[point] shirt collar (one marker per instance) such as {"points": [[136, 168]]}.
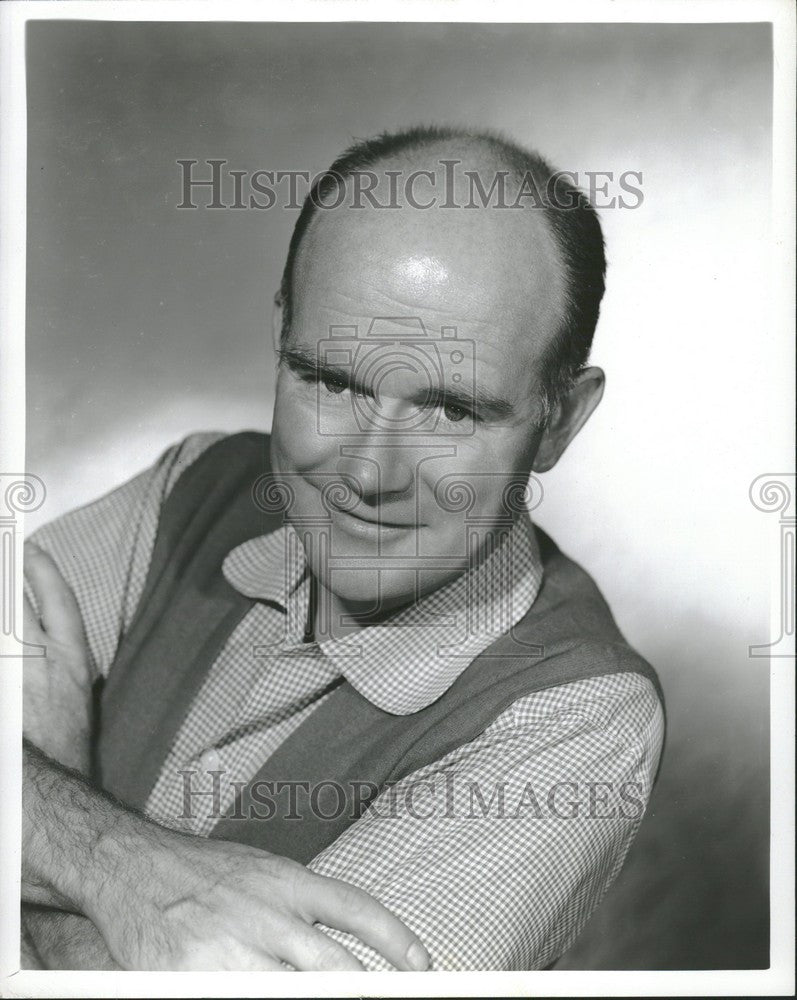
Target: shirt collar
{"points": [[409, 661]]}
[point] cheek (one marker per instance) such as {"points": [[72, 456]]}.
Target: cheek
{"points": [[472, 483], [503, 453], [295, 441]]}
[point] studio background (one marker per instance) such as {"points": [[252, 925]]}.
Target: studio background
{"points": [[146, 323]]}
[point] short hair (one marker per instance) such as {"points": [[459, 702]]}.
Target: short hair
{"points": [[572, 221]]}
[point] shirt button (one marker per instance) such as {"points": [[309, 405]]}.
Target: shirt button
{"points": [[210, 760]]}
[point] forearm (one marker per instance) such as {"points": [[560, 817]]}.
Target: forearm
{"points": [[484, 855], [59, 940], [66, 828]]}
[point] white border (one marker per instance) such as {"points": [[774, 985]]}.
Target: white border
{"points": [[779, 979]]}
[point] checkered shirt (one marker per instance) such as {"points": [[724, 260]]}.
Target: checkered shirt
{"points": [[496, 854]]}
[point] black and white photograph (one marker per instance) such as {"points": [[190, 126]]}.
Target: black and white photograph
{"points": [[398, 499]]}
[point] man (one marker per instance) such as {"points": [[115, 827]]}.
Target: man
{"points": [[343, 657]]}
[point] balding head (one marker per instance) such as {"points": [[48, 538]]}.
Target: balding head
{"points": [[427, 210]]}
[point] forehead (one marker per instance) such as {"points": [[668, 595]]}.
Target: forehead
{"points": [[492, 276]]}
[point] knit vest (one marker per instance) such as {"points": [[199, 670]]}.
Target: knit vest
{"points": [[321, 778]]}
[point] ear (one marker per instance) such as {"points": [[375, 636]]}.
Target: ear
{"points": [[276, 321], [568, 417]]}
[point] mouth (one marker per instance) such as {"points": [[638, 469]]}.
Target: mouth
{"points": [[371, 527]]}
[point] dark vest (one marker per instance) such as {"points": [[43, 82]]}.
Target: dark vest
{"points": [[322, 777]]}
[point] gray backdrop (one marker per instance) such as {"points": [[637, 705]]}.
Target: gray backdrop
{"points": [[146, 323]]}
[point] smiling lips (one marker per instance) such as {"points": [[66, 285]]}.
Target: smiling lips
{"points": [[362, 524], [357, 522], [380, 522]]}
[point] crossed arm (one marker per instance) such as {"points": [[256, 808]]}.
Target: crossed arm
{"points": [[473, 852], [107, 889]]}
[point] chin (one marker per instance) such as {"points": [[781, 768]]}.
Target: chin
{"points": [[372, 591]]}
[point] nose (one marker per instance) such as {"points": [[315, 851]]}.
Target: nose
{"points": [[376, 473]]}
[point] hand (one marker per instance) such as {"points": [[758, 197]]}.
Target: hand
{"points": [[211, 905], [57, 696], [52, 939]]}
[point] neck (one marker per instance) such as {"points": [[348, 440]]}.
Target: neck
{"points": [[333, 617]]}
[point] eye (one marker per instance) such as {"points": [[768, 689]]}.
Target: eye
{"points": [[335, 384], [454, 413]]}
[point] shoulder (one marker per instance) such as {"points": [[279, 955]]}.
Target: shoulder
{"points": [[613, 717], [212, 448], [568, 586], [623, 704], [573, 625]]}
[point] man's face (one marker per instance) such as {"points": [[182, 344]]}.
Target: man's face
{"points": [[408, 395]]}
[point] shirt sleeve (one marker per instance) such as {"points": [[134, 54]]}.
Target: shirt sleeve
{"points": [[497, 854], [103, 549]]}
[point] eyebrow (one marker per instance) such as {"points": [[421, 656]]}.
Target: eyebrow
{"points": [[472, 398]]}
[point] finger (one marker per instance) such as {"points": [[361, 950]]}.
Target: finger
{"points": [[258, 963], [310, 950], [348, 908], [233, 959], [240, 957], [60, 613]]}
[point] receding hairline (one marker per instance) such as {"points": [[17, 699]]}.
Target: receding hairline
{"points": [[484, 155], [576, 230]]}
